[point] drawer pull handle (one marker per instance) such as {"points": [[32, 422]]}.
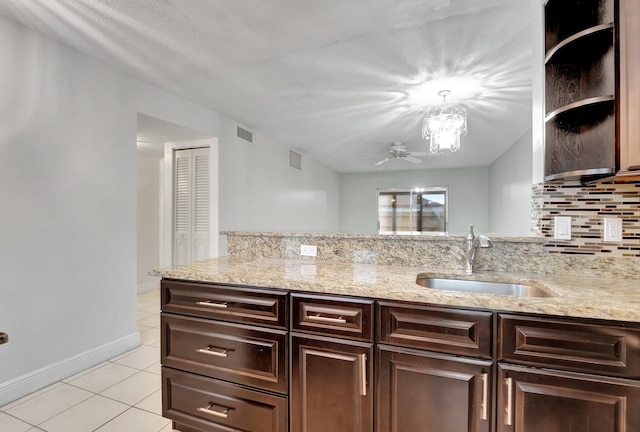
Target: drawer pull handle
{"points": [[509, 409], [321, 318], [222, 413], [363, 374], [212, 304], [485, 395], [213, 351]]}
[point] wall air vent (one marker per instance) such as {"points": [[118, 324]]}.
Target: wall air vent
{"points": [[244, 134], [295, 160]]}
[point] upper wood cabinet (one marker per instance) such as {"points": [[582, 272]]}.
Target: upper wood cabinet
{"points": [[592, 89], [629, 87], [580, 88]]}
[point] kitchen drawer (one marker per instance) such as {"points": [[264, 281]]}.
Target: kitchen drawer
{"points": [[211, 405], [582, 345], [236, 304], [334, 316], [233, 352], [451, 331]]}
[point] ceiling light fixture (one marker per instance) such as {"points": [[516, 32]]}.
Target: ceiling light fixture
{"points": [[443, 126]]}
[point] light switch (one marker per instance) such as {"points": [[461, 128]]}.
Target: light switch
{"points": [[309, 250], [562, 228], [612, 230]]}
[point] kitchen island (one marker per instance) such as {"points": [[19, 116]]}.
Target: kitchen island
{"points": [[270, 344]]}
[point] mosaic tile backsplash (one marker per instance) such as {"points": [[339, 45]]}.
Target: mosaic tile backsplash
{"points": [[587, 205]]}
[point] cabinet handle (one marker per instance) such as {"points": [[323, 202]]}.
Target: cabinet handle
{"points": [[208, 410], [485, 395], [509, 409], [321, 318], [217, 352], [212, 304], [363, 374]]}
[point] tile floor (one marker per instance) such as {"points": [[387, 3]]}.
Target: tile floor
{"points": [[122, 394]]}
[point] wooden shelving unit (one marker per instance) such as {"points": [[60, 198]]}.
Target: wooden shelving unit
{"points": [[580, 89]]}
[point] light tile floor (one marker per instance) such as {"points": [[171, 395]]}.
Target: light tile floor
{"points": [[122, 394]]}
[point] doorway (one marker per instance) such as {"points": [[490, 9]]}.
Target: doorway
{"points": [[157, 140]]}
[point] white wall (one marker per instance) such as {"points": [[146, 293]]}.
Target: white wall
{"points": [[260, 192], [537, 120], [148, 218], [68, 194], [468, 196], [510, 190]]}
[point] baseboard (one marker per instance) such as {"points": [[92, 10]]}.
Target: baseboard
{"points": [[33, 381], [149, 286]]}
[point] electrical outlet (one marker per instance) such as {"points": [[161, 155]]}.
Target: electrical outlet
{"points": [[612, 230], [309, 250], [562, 228]]}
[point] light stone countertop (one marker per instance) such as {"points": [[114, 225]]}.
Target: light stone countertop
{"points": [[587, 297]]}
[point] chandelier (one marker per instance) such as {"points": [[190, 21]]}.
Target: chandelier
{"points": [[444, 125]]}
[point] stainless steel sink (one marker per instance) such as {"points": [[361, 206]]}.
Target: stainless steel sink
{"points": [[484, 287]]}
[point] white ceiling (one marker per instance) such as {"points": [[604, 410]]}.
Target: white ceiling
{"points": [[332, 79]]}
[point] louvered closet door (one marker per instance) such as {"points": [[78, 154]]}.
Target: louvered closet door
{"points": [[191, 195]]}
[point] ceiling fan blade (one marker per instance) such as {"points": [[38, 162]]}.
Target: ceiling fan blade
{"points": [[373, 156], [412, 159], [381, 162], [418, 153]]}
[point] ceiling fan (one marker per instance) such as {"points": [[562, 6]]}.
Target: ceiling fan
{"points": [[399, 151]]}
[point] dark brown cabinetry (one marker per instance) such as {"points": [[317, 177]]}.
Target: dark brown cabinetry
{"points": [[221, 371], [331, 364], [629, 87], [544, 400], [549, 397], [331, 385], [434, 390], [421, 391], [197, 403], [259, 360], [453, 331], [580, 88], [592, 89]]}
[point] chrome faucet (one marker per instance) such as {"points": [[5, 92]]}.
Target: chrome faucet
{"points": [[473, 243]]}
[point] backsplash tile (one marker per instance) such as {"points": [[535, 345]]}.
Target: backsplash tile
{"points": [[587, 205]]}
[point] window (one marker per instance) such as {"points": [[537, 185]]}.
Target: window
{"points": [[412, 211]]}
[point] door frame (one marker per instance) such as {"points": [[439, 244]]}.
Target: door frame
{"points": [[166, 197]]}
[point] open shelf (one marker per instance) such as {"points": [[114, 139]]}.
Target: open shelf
{"points": [[583, 141], [580, 88], [565, 18], [586, 41], [583, 105]]}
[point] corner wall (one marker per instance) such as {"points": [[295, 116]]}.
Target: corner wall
{"points": [[510, 190], [148, 218], [68, 225]]}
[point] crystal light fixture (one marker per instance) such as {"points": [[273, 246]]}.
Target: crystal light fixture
{"points": [[443, 126]]}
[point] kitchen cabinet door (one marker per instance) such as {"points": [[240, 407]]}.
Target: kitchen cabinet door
{"points": [[629, 126], [544, 400], [424, 391], [331, 389]]}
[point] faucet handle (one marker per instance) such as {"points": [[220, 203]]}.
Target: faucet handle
{"points": [[471, 235]]}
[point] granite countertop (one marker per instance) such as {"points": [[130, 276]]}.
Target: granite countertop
{"points": [[587, 297]]}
